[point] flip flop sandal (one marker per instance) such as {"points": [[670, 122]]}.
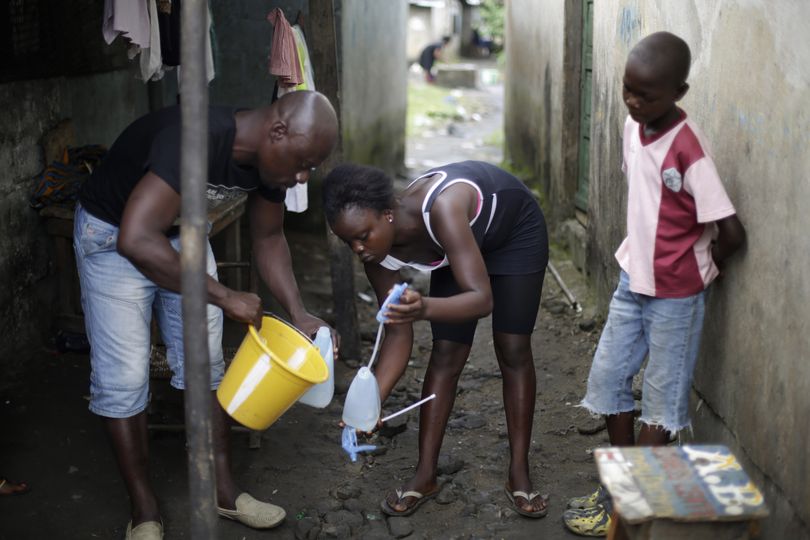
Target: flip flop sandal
{"points": [[420, 499], [512, 495], [14, 488]]}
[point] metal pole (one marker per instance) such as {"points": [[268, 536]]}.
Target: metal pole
{"points": [[194, 177], [566, 291]]}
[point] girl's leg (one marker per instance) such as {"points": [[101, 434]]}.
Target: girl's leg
{"points": [[515, 359], [447, 360], [517, 300]]}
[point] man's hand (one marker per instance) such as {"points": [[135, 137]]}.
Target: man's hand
{"points": [[309, 325], [244, 307]]}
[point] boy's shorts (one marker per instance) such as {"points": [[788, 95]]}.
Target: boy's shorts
{"points": [[669, 330], [118, 301]]}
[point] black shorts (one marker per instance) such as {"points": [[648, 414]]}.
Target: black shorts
{"points": [[516, 300]]}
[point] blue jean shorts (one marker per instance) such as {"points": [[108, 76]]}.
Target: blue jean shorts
{"points": [[668, 330], [118, 302]]}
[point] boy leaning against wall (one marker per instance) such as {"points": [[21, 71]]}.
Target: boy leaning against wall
{"points": [[681, 226]]}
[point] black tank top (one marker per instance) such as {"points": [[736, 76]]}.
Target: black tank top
{"points": [[510, 228]]}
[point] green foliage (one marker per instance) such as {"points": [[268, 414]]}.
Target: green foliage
{"points": [[492, 20]]}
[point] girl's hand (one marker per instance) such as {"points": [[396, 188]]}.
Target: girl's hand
{"points": [[411, 307]]}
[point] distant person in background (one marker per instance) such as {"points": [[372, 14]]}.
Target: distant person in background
{"points": [[429, 55], [482, 45]]}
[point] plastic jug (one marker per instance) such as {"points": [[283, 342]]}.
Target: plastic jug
{"points": [[392, 298], [320, 395], [361, 410]]}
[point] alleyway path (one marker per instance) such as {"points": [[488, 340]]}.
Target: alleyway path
{"points": [[52, 441]]}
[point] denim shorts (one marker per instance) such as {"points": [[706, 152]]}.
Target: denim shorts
{"points": [[667, 330], [118, 302]]}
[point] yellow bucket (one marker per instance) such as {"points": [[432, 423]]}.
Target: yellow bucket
{"points": [[271, 370]]}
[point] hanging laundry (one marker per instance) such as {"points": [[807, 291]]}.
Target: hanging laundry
{"points": [[296, 199], [136, 20], [169, 23], [127, 17], [151, 60], [283, 61], [210, 71]]}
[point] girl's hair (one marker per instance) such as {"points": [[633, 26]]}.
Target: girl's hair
{"points": [[349, 185]]}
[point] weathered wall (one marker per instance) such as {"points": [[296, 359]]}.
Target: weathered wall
{"points": [[541, 99], [750, 87], [373, 81], [100, 106], [243, 43]]}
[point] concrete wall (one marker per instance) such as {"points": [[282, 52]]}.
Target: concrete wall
{"points": [[374, 81], [541, 100], [750, 86], [243, 43], [100, 106], [749, 91]]}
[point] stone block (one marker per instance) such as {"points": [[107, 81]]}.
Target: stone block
{"points": [[457, 76], [574, 237]]}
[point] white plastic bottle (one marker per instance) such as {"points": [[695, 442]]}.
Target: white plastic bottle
{"points": [[361, 410]]}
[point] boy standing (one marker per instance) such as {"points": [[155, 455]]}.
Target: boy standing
{"points": [[681, 226]]}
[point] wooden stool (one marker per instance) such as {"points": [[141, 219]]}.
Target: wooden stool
{"points": [[669, 493]]}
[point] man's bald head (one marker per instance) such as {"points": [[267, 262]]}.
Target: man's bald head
{"points": [[300, 131], [665, 54], [310, 114]]}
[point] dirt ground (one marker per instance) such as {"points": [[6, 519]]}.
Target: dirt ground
{"points": [[51, 440]]}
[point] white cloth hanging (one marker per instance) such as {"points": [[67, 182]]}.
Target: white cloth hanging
{"points": [[297, 199], [151, 59], [127, 17], [210, 72]]}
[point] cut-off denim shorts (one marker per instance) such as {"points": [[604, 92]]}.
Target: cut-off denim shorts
{"points": [[668, 330], [118, 301]]}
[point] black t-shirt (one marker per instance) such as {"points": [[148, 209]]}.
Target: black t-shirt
{"points": [[428, 55], [152, 143]]}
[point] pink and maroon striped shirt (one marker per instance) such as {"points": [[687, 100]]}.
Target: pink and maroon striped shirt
{"points": [[674, 195]]}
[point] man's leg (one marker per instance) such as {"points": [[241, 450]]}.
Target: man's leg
{"points": [[117, 302], [227, 490], [128, 437]]}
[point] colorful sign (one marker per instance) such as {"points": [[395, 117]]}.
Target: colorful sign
{"points": [[686, 483]]}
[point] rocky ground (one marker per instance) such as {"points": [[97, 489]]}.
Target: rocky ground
{"points": [[52, 441]]}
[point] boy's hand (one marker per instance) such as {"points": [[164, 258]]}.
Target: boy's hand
{"points": [[730, 236]]}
